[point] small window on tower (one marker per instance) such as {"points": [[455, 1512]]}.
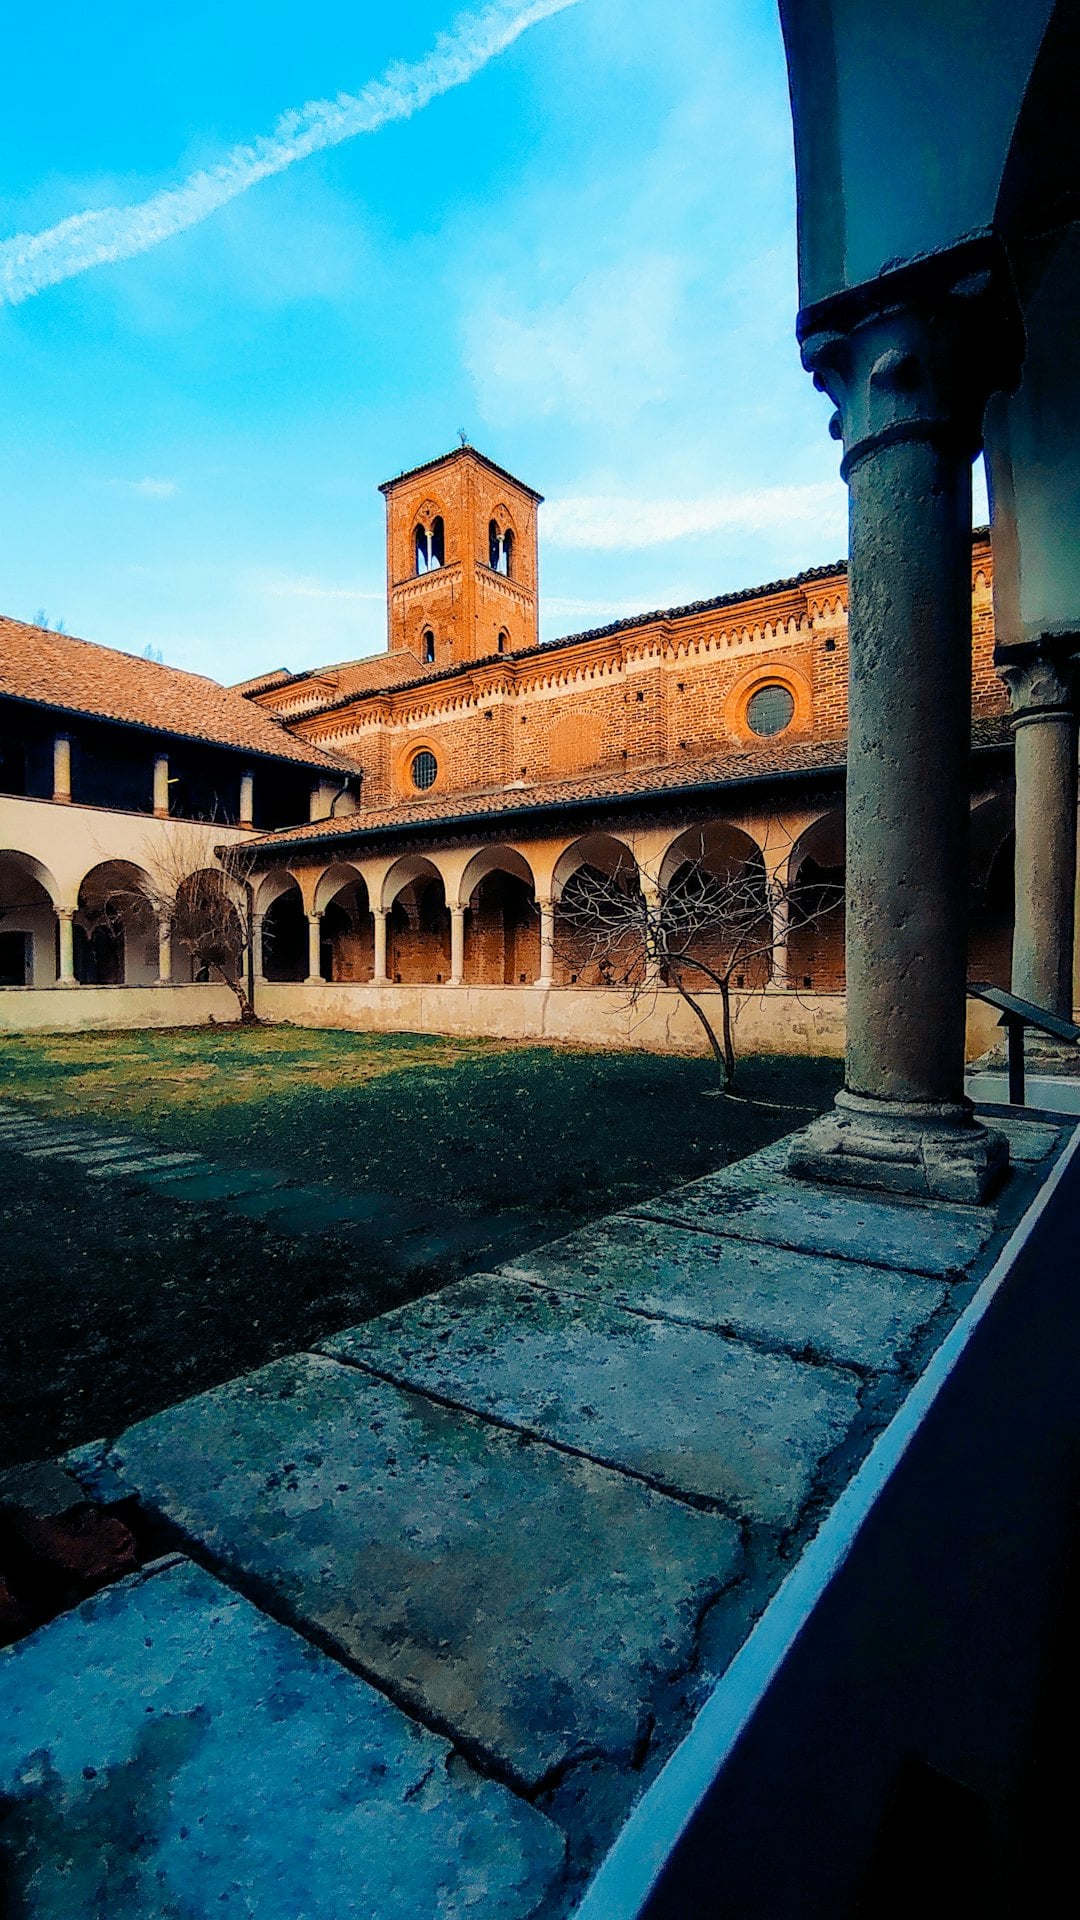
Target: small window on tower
{"points": [[429, 647], [507, 553], [504, 639], [430, 545], [420, 543]]}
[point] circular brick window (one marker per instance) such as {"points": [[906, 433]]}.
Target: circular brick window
{"points": [[424, 770], [769, 711]]}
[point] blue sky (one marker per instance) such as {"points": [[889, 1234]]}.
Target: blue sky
{"points": [[582, 255]]}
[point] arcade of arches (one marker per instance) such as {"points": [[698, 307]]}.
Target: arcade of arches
{"points": [[498, 915]]}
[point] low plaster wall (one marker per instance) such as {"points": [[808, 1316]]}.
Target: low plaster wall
{"points": [[597, 1017], [772, 1022], [80, 1009]]}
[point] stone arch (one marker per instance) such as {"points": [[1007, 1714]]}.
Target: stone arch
{"points": [[502, 921], [992, 898], [280, 901], [604, 851], [272, 886], [347, 944], [598, 856], [815, 942], [704, 862], [209, 938], [418, 924], [29, 897], [116, 934]]}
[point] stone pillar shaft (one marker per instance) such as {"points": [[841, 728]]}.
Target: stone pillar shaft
{"points": [[378, 972], [1040, 677], [247, 799], [546, 977], [457, 946], [161, 787], [66, 922], [62, 769], [257, 946], [910, 363], [778, 972], [314, 973], [164, 953]]}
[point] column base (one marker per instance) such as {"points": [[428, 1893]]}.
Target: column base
{"points": [[931, 1150]]}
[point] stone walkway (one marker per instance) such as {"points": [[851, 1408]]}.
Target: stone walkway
{"points": [[421, 1235], [526, 1520]]}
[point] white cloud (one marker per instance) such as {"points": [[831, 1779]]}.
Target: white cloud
{"points": [[30, 262], [605, 350], [153, 489], [613, 523]]}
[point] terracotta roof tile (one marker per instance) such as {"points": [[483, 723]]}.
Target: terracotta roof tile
{"points": [[769, 760], [79, 677]]}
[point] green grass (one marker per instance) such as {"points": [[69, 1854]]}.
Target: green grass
{"points": [[119, 1302], [475, 1123]]}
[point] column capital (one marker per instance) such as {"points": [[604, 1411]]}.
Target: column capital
{"points": [[917, 353], [1041, 677]]}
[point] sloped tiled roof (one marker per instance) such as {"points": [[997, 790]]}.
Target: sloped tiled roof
{"points": [[455, 453], [770, 760], [79, 677]]}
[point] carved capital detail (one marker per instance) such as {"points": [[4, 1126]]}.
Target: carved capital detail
{"points": [[917, 355], [1041, 677]]}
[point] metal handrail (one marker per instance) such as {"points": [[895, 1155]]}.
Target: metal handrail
{"points": [[1016, 1014]]}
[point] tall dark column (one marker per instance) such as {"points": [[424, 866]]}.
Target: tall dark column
{"points": [[1041, 679], [910, 364]]}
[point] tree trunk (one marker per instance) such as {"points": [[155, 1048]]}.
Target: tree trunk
{"points": [[723, 1055]]}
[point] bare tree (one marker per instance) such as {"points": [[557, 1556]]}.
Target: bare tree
{"points": [[705, 928], [206, 906]]}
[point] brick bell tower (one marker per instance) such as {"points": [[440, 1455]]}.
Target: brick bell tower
{"points": [[461, 561]]}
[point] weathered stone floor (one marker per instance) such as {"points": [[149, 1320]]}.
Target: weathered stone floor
{"points": [[539, 1510]]}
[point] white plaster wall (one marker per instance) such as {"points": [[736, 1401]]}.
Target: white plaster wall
{"points": [[69, 840], [770, 1022], [75, 1009]]}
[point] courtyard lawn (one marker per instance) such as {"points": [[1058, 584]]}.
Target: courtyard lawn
{"points": [[117, 1303]]}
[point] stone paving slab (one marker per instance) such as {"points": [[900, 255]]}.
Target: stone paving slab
{"points": [[689, 1411], [841, 1309], [166, 1750], [205, 1183], [84, 1147], [146, 1163], [528, 1601], [750, 1201], [1029, 1140]]}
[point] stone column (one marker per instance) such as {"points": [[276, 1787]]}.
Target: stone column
{"points": [[62, 769], [378, 972], [164, 951], [65, 918], [650, 893], [546, 976], [314, 947], [778, 972], [161, 787], [457, 946], [910, 364], [247, 799], [1041, 679], [257, 947]]}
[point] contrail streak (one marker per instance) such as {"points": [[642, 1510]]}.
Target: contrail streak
{"points": [[30, 262]]}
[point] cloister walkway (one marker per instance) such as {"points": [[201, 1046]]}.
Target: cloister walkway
{"points": [[485, 1556]]}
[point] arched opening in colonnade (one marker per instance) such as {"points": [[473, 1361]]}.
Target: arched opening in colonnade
{"points": [[347, 933], [584, 872], [418, 924], [28, 927], [284, 928], [815, 942], [990, 922], [713, 881], [116, 932], [502, 920], [209, 939]]}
